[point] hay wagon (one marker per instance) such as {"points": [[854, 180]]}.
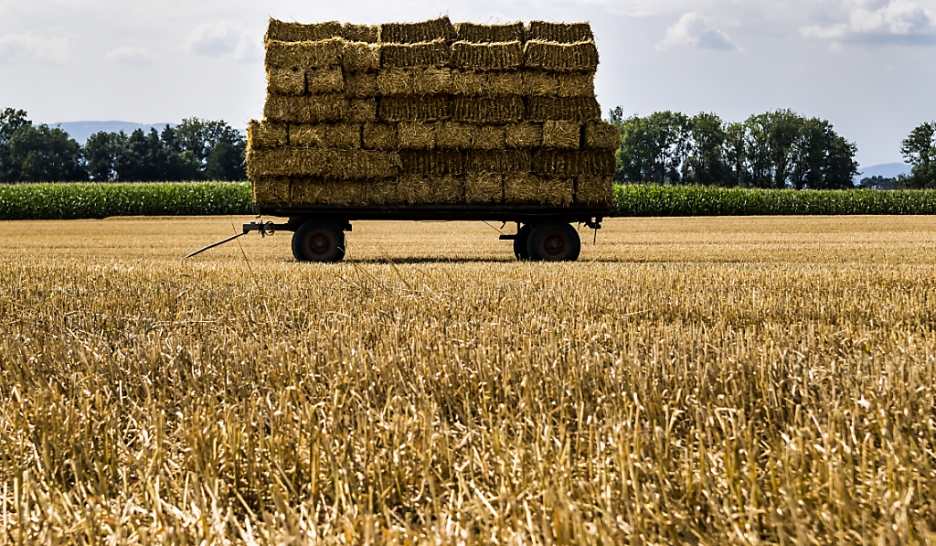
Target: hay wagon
{"points": [[432, 121]]}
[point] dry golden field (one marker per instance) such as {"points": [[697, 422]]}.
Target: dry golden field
{"points": [[704, 381]]}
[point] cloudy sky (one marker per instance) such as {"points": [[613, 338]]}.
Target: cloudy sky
{"points": [[868, 66]]}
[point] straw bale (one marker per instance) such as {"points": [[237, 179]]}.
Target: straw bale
{"points": [[304, 135], [562, 135], [433, 162], [360, 57], [360, 33], [498, 161], [433, 81], [524, 135], [576, 85], [382, 192], [469, 83], [411, 33], [573, 163], [530, 189], [537, 83], [326, 108], [413, 109], [559, 32], [343, 136], [297, 32], [453, 135], [266, 134], [396, 81], [484, 188], [362, 110], [594, 190], [577, 57], [336, 164], [379, 136], [315, 191], [422, 189], [601, 135], [361, 85], [286, 81], [304, 54], [475, 33], [550, 108], [416, 136], [487, 110], [324, 80], [492, 56], [270, 190], [314, 109], [504, 83], [435, 53], [488, 137]]}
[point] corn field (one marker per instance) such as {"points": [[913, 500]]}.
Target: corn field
{"points": [[701, 381]]}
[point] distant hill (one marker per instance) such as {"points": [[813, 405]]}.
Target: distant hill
{"points": [[886, 170], [81, 130]]}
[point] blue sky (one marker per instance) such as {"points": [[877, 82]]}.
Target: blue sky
{"points": [[868, 66]]}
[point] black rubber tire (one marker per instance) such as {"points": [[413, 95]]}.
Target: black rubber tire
{"points": [[318, 241], [554, 242], [520, 243]]}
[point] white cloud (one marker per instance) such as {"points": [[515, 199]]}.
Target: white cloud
{"points": [[695, 30], [131, 55], [224, 40], [30, 46], [880, 21]]}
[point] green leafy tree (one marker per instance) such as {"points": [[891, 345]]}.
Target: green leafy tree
{"points": [[708, 163], [102, 151], [216, 147], [919, 150], [37, 153], [654, 148]]}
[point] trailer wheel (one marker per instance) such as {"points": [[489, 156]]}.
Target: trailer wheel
{"points": [[318, 241], [520, 243], [554, 242]]}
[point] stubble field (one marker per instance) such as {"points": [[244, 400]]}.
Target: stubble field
{"points": [[722, 380]]}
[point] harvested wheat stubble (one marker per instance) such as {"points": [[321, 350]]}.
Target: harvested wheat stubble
{"points": [[576, 85], [421, 189], [577, 57], [487, 110], [318, 109], [524, 135], [338, 136], [562, 135], [297, 32], [362, 110], [360, 33], [286, 81], [561, 163], [488, 137], [498, 161], [361, 85], [530, 189], [580, 109], [594, 190], [271, 190], [484, 188], [423, 54], [266, 134], [453, 135], [381, 192], [479, 34], [411, 33], [482, 57], [559, 32], [360, 57], [316, 191], [601, 135], [432, 162], [320, 81], [414, 109], [380, 136], [335, 164], [416, 136], [538, 83], [304, 54]]}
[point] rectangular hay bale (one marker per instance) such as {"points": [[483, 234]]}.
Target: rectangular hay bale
{"points": [[499, 161], [422, 189], [484, 188], [303, 135], [475, 33], [361, 110], [562, 135], [433, 81], [487, 110], [432, 162], [324, 80], [270, 190], [530, 189], [424, 54], [601, 135], [382, 192], [360, 33], [413, 109], [561, 163], [453, 135], [524, 135], [504, 83], [489, 56], [469, 83], [396, 82], [360, 57], [576, 57], [488, 137], [559, 32], [594, 190], [416, 136], [336, 164], [411, 33], [266, 134], [379, 136], [361, 85], [316, 191], [538, 83], [304, 54], [286, 81], [307, 109], [551, 108], [576, 85], [285, 31]]}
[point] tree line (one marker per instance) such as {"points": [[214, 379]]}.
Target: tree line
{"points": [[195, 149]]}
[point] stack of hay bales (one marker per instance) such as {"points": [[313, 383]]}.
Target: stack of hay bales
{"points": [[431, 113]]}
